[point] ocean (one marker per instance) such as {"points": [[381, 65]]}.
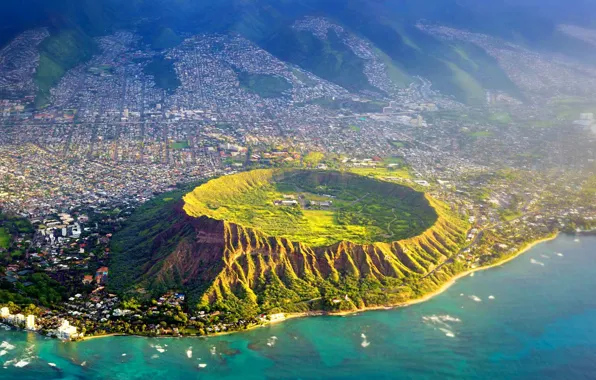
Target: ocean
{"points": [[532, 318]]}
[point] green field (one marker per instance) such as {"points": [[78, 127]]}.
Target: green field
{"points": [[362, 210], [4, 238], [501, 117], [477, 134], [178, 145], [102, 70]]}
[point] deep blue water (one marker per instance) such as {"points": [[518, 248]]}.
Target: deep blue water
{"points": [[540, 324]]}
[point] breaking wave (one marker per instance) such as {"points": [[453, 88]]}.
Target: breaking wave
{"points": [[536, 262]]}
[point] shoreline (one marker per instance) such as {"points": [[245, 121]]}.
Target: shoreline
{"points": [[422, 299], [440, 290], [91, 337]]}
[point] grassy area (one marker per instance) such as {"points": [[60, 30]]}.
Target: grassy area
{"points": [[178, 145], [508, 215], [4, 238], [398, 144], [382, 172], [102, 70], [477, 134], [501, 117], [266, 86], [363, 209]]}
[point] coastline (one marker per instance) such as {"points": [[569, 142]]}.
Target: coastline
{"points": [[435, 293], [422, 299], [100, 336]]}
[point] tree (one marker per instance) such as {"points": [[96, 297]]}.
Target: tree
{"points": [[312, 159]]}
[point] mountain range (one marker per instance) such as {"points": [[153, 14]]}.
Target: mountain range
{"points": [[454, 67]]}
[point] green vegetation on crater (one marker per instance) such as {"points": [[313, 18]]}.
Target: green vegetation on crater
{"points": [[318, 208], [244, 271]]}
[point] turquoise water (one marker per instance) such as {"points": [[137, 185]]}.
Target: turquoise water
{"points": [[541, 323]]}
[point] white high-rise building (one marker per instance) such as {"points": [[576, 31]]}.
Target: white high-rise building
{"points": [[30, 322], [4, 312], [66, 331]]}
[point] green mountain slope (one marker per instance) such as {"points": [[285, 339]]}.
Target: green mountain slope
{"points": [[331, 59], [459, 70], [63, 50]]}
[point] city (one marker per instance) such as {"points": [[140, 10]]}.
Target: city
{"points": [[111, 139]]}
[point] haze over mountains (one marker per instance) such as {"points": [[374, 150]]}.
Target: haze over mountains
{"points": [[455, 67]]}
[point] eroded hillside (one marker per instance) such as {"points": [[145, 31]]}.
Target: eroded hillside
{"points": [[226, 266]]}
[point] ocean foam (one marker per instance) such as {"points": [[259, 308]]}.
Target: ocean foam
{"points": [[441, 319], [448, 318], [365, 343], [271, 341], [7, 345], [448, 333], [536, 262]]}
